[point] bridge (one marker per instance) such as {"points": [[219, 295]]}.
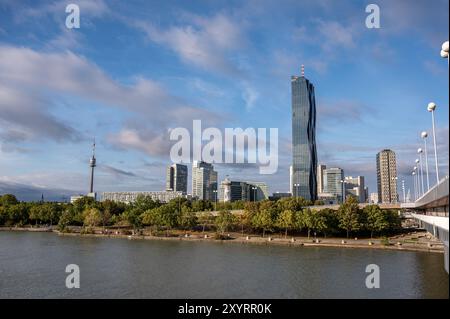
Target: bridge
{"points": [[431, 211]]}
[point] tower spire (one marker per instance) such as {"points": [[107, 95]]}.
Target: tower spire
{"points": [[303, 70], [92, 164]]}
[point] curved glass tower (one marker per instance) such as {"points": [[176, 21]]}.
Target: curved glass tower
{"points": [[304, 164]]}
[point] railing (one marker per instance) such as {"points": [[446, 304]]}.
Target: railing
{"points": [[437, 192]]}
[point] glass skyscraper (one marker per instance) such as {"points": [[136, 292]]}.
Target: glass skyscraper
{"points": [[304, 164]]}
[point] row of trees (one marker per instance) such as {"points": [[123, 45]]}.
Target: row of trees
{"points": [[289, 215]]}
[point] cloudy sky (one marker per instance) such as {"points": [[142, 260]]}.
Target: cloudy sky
{"points": [[136, 69]]}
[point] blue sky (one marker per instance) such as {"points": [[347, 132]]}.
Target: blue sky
{"points": [[135, 69]]}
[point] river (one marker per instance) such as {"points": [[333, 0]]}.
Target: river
{"points": [[32, 265]]}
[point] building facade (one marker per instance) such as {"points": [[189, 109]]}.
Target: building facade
{"points": [[320, 171], [355, 186], [332, 179], [176, 178], [373, 198], [231, 191], [130, 197], [387, 177], [304, 153], [204, 181]]}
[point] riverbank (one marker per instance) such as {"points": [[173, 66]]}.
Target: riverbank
{"points": [[414, 241]]}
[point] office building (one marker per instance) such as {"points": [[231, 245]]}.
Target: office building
{"points": [[231, 191], [320, 171], [387, 177], [176, 178], [332, 180], [304, 153], [204, 181], [355, 186], [373, 198]]}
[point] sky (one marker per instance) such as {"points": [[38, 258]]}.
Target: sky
{"points": [[134, 70]]}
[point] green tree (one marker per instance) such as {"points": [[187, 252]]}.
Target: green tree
{"points": [[8, 199], [92, 217], [188, 219], [204, 218], [331, 221], [375, 219], [65, 220], [286, 221], [223, 221], [133, 217], [263, 220], [349, 215]]}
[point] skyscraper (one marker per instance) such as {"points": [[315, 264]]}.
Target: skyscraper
{"points": [[304, 159], [204, 181], [332, 181], [176, 178], [387, 177]]}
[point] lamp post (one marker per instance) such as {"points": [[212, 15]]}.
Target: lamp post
{"points": [[420, 151], [418, 177], [444, 51], [431, 108], [424, 135], [414, 185]]}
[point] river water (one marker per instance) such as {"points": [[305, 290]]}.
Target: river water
{"points": [[32, 265]]}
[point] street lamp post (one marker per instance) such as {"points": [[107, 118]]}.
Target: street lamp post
{"points": [[420, 151], [418, 177], [424, 135], [414, 185], [431, 108]]}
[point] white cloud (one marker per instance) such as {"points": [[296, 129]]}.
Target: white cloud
{"points": [[25, 76], [208, 43]]}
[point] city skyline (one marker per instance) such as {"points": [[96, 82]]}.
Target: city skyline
{"points": [[145, 78]]}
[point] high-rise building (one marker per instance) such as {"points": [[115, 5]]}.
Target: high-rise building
{"points": [[204, 181], [355, 186], [176, 178], [304, 159], [332, 180], [387, 177], [320, 171], [373, 198]]}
